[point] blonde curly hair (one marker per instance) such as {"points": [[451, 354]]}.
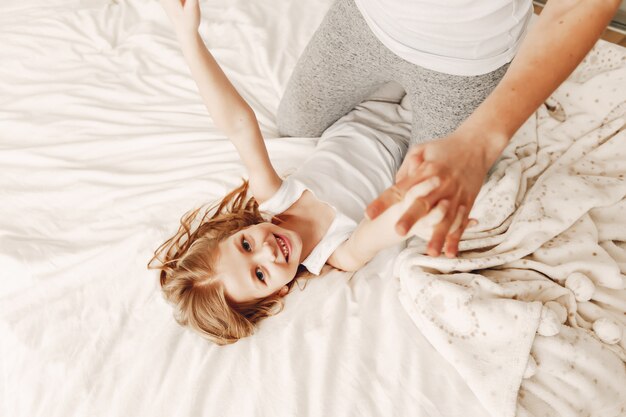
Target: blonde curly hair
{"points": [[187, 265]]}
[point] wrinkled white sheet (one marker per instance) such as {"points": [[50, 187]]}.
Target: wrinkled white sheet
{"points": [[104, 143]]}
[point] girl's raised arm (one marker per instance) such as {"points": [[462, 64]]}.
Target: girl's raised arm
{"points": [[230, 112]]}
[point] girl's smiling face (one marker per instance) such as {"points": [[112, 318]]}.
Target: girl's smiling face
{"points": [[258, 261]]}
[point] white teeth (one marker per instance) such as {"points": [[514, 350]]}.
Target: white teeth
{"points": [[283, 246]]}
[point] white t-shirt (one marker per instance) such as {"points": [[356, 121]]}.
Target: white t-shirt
{"points": [[354, 161], [457, 37], [339, 231]]}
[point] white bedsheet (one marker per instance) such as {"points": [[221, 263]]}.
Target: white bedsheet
{"points": [[104, 143]]}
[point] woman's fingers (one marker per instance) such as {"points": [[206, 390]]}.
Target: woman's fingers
{"points": [[458, 220], [389, 197], [419, 208], [433, 217], [453, 239], [412, 161], [422, 189], [406, 190], [440, 232], [451, 246]]}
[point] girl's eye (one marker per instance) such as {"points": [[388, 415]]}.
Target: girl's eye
{"points": [[260, 275], [245, 245]]}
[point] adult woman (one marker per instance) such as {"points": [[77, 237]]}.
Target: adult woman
{"points": [[452, 58]]}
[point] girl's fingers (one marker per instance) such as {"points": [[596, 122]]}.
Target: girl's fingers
{"points": [[397, 193], [433, 217], [422, 189], [418, 209]]}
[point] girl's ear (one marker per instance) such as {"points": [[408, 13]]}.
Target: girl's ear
{"points": [[283, 291]]}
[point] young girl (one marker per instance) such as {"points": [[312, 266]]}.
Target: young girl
{"points": [[229, 269]]}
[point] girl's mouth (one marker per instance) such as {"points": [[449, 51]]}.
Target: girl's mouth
{"points": [[284, 245]]}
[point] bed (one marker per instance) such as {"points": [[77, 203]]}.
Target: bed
{"points": [[105, 143]]}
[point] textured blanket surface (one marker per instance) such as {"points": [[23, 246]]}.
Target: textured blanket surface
{"points": [[547, 255]]}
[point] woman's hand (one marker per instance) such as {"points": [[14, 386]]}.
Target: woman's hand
{"points": [[462, 159], [184, 15], [461, 163]]}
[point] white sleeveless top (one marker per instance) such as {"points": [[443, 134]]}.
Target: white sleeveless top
{"points": [[457, 37], [354, 161]]}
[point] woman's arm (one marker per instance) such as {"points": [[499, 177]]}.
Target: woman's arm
{"points": [[559, 40], [229, 111], [563, 34]]}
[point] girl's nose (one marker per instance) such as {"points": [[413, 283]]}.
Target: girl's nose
{"points": [[268, 251]]}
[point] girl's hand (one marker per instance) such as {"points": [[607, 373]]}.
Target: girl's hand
{"points": [[184, 15], [461, 165]]}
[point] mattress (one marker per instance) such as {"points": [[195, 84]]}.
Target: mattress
{"points": [[105, 143]]}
